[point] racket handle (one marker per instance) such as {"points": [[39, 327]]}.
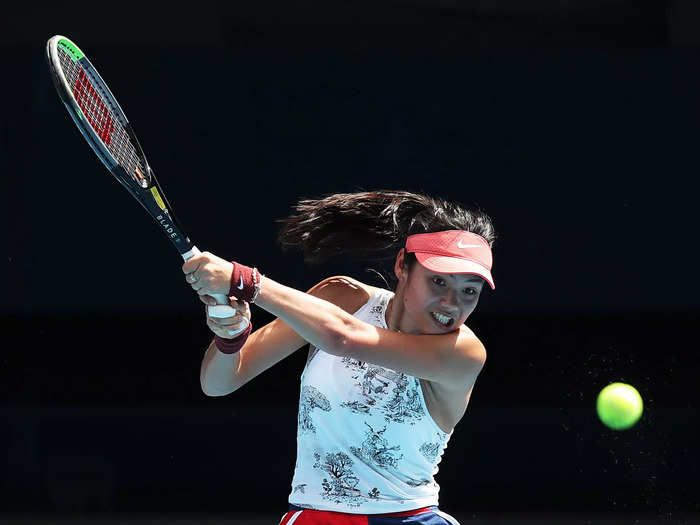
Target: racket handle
{"points": [[224, 308]]}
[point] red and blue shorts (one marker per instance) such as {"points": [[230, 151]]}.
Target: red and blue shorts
{"points": [[424, 516]]}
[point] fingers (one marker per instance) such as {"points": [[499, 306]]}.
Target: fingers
{"points": [[211, 276], [240, 305], [226, 322], [238, 302], [208, 300], [234, 333], [196, 284], [193, 281], [191, 264], [229, 327]]}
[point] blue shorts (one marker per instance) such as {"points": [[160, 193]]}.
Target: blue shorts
{"points": [[424, 516]]}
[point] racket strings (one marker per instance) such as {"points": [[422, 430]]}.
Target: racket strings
{"points": [[98, 111]]}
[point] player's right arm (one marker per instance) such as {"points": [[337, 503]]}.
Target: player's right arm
{"points": [[222, 374]]}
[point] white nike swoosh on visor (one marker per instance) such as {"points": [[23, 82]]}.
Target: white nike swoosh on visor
{"points": [[240, 286], [460, 245]]}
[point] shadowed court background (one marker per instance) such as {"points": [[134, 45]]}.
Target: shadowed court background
{"points": [[573, 124]]}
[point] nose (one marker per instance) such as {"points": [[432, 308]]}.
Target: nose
{"points": [[449, 300]]}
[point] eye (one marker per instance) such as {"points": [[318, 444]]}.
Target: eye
{"points": [[470, 291], [439, 281]]}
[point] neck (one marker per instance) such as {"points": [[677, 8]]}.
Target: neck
{"points": [[393, 315], [389, 312]]}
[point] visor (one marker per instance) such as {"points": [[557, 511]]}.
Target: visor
{"points": [[453, 251]]}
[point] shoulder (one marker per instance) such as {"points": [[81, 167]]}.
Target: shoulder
{"points": [[470, 343], [343, 291], [470, 357], [464, 356], [470, 347], [474, 348]]}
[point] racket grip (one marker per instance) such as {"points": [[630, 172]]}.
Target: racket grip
{"points": [[224, 308]]}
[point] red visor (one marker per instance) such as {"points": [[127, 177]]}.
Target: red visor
{"points": [[453, 251]]}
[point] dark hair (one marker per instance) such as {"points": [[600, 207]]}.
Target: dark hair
{"points": [[373, 225]]}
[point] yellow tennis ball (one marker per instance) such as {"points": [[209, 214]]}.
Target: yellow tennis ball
{"points": [[619, 406]]}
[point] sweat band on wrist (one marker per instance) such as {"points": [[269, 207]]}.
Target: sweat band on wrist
{"points": [[245, 282], [231, 346]]}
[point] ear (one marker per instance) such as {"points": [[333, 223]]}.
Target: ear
{"points": [[400, 269]]}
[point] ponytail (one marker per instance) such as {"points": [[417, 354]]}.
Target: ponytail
{"points": [[374, 225]]}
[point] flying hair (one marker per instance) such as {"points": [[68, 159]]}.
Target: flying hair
{"points": [[373, 226]]}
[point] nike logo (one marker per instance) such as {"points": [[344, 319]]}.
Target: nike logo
{"points": [[240, 286], [460, 245]]}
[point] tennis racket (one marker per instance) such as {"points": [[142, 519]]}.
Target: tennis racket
{"points": [[105, 127]]}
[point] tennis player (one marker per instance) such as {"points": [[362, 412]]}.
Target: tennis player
{"points": [[389, 373]]}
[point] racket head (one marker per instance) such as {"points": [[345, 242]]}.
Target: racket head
{"points": [[103, 124], [96, 112]]}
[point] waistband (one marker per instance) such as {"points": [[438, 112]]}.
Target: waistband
{"points": [[388, 515]]}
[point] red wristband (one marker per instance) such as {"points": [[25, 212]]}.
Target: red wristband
{"points": [[245, 282], [231, 346]]}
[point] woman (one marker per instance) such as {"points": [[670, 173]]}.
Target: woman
{"points": [[389, 374]]}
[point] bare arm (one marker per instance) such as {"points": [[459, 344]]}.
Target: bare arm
{"points": [[221, 374], [316, 319], [452, 360], [215, 374]]}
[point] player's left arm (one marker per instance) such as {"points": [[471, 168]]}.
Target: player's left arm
{"points": [[452, 360]]}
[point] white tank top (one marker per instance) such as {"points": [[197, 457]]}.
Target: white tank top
{"points": [[366, 443]]}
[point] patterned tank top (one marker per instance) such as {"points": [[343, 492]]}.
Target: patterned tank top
{"points": [[366, 443]]}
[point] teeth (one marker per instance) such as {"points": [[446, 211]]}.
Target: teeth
{"points": [[444, 319]]}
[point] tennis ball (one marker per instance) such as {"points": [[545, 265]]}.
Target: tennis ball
{"points": [[619, 406]]}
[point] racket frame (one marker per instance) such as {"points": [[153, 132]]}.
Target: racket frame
{"points": [[150, 194]]}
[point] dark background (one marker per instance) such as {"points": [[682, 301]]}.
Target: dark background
{"points": [[573, 124]]}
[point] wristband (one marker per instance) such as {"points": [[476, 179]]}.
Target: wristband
{"points": [[245, 282], [231, 346]]}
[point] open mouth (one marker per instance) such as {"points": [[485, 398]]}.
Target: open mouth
{"points": [[443, 320]]}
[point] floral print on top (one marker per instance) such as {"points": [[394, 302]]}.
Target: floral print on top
{"points": [[366, 443]]}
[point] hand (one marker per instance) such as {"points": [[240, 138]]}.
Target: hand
{"points": [[228, 327], [208, 274]]}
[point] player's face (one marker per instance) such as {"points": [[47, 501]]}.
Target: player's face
{"points": [[438, 303]]}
